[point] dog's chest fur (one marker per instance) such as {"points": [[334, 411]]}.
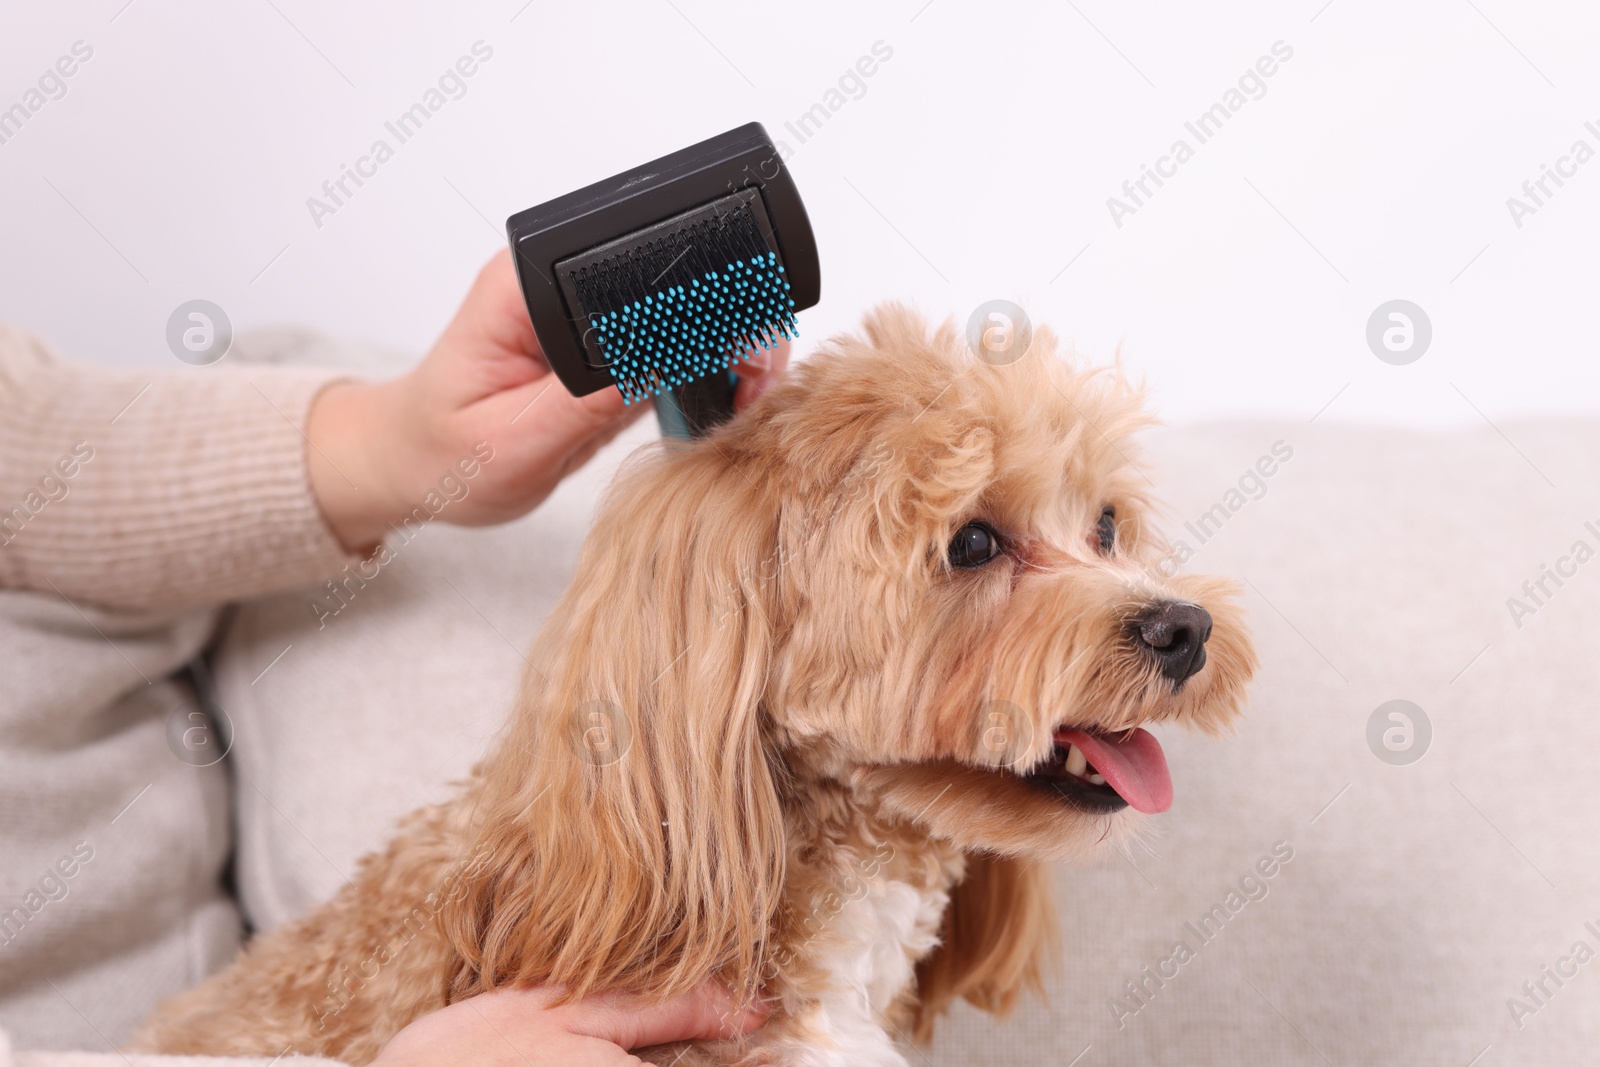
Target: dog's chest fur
{"points": [[860, 914], [869, 955]]}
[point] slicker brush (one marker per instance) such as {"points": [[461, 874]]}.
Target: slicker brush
{"points": [[659, 280]]}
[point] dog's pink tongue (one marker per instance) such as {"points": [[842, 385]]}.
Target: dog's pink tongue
{"points": [[1132, 764]]}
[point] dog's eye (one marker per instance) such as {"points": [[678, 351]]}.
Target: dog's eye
{"points": [[973, 545], [1106, 529]]}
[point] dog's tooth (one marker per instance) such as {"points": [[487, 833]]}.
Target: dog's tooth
{"points": [[1097, 779], [1077, 762]]}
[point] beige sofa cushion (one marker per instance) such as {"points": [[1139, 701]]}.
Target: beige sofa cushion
{"points": [[1377, 564]]}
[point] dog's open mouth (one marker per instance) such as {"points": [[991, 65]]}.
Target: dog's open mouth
{"points": [[1107, 772]]}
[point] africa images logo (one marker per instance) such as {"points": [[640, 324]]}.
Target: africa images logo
{"points": [[1251, 85], [451, 85]]}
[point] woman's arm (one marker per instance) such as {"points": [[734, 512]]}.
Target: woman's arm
{"points": [[157, 490], [189, 488]]}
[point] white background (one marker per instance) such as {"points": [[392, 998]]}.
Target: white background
{"points": [[976, 164]]}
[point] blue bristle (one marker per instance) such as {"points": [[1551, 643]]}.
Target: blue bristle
{"points": [[680, 333]]}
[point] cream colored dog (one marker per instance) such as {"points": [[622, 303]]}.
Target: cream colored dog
{"points": [[829, 687]]}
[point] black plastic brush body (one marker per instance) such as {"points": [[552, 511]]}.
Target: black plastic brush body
{"points": [[660, 279]]}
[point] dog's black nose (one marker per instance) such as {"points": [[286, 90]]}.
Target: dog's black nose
{"points": [[1176, 635]]}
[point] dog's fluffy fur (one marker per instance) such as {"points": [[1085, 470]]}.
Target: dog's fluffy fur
{"points": [[771, 735]]}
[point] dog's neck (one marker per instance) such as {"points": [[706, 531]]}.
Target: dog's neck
{"points": [[825, 800], [864, 898]]}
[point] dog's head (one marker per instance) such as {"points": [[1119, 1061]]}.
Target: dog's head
{"points": [[921, 575], [974, 621]]}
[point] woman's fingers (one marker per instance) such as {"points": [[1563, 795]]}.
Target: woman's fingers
{"points": [[525, 1028], [710, 1011]]}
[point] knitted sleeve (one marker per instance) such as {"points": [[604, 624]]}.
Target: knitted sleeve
{"points": [[156, 490]]}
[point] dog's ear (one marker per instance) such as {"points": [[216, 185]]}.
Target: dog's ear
{"points": [[630, 817], [998, 939]]}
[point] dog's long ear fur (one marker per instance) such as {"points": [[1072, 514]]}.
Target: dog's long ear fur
{"points": [[998, 939], [630, 818]]}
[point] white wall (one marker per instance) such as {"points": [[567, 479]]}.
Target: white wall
{"points": [[976, 164]]}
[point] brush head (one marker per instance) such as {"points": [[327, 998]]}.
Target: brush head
{"points": [[683, 299], [665, 275]]}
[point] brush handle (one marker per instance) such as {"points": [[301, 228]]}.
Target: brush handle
{"points": [[693, 409]]}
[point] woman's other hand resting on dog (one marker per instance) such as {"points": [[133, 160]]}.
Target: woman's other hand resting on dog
{"points": [[519, 1028], [378, 448]]}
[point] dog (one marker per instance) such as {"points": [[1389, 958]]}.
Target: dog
{"points": [[831, 686]]}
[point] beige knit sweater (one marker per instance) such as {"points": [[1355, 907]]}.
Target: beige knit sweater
{"points": [[132, 505]]}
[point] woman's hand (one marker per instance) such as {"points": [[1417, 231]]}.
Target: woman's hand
{"points": [[519, 1028], [377, 450]]}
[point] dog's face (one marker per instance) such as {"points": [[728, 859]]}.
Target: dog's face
{"points": [[970, 618]]}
